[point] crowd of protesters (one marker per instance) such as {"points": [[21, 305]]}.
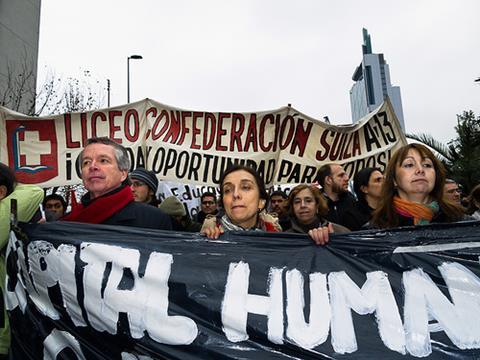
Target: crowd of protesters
{"points": [[413, 190]]}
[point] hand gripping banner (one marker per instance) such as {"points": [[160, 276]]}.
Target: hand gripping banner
{"points": [[100, 292]]}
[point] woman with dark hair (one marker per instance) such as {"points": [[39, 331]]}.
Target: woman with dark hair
{"points": [[474, 203], [243, 197], [307, 208], [412, 192], [367, 184]]}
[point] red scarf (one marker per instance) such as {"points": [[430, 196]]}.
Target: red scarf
{"points": [[100, 209]]}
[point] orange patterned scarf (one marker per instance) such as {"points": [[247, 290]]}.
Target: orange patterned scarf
{"points": [[421, 214]]}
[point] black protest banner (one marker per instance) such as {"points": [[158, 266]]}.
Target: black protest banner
{"points": [[101, 292]]}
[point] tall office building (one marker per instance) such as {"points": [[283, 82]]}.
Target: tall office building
{"points": [[19, 37], [372, 85]]}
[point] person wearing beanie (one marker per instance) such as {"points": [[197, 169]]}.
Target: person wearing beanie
{"points": [[144, 184], [178, 215], [173, 207]]}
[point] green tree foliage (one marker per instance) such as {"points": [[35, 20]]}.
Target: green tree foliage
{"points": [[465, 150], [441, 150], [461, 156]]}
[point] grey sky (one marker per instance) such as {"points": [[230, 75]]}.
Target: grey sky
{"points": [[257, 55]]}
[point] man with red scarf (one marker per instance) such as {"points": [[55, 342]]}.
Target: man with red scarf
{"points": [[104, 167]]}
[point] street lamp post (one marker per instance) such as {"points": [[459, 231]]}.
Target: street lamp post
{"points": [[135, 57], [108, 92]]}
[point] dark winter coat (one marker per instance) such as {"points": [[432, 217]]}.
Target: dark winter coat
{"points": [[357, 216], [140, 215], [336, 209]]}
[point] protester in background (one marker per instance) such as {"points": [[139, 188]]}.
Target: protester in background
{"points": [[28, 197], [243, 197], [474, 203], [334, 182], [278, 205], [307, 208], [54, 206], [178, 215], [144, 185], [367, 184], [109, 200], [208, 206], [412, 193], [452, 192]]}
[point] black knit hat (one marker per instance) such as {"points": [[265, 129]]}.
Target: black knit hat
{"points": [[147, 176]]}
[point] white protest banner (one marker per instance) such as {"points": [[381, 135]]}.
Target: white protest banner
{"points": [[194, 147], [189, 195]]}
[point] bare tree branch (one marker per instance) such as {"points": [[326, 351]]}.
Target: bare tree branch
{"points": [[55, 96]]}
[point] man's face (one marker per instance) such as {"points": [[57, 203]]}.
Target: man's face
{"points": [[100, 172], [452, 193], [55, 206], [338, 180], [141, 191], [208, 205], [277, 203]]}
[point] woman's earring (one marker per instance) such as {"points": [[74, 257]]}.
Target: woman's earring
{"points": [[262, 205]]}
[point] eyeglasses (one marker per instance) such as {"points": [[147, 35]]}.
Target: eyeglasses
{"points": [[208, 203], [137, 183]]}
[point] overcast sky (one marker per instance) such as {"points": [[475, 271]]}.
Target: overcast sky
{"points": [[220, 55]]}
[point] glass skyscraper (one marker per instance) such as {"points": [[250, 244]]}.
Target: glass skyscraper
{"points": [[373, 85]]}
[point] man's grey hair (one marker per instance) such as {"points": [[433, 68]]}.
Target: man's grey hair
{"points": [[121, 154], [450, 181]]}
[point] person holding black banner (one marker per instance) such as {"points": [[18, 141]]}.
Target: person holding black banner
{"points": [[109, 200], [367, 184], [243, 196], [307, 209], [28, 198], [412, 193]]}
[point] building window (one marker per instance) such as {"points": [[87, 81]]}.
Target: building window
{"points": [[369, 87]]}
